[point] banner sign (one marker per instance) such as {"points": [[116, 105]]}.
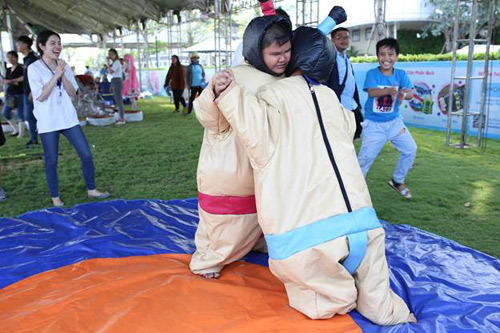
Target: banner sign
{"points": [[429, 106]]}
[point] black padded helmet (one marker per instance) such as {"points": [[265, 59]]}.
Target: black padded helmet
{"points": [[253, 35], [313, 53]]}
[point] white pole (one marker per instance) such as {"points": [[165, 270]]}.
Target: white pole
{"points": [[2, 61], [139, 56], [9, 29]]}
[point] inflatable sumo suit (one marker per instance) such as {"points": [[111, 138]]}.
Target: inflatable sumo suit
{"points": [[228, 227], [324, 239]]}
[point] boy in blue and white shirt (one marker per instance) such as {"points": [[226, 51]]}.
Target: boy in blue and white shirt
{"points": [[387, 87]]}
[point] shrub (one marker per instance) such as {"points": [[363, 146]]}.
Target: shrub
{"points": [[428, 57]]}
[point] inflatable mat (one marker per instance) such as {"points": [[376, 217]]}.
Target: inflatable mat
{"points": [[122, 266]]}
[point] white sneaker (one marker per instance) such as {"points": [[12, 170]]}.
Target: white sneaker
{"points": [[120, 122], [21, 130]]}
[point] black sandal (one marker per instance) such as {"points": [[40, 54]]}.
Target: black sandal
{"points": [[400, 188]]}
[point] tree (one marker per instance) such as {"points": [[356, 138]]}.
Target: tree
{"points": [[443, 19]]}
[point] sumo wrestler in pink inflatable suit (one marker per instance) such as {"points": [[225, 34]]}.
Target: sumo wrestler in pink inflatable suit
{"points": [[228, 227], [324, 239]]}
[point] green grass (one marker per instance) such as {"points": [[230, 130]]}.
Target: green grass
{"points": [[455, 192]]}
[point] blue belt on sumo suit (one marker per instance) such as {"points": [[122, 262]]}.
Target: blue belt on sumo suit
{"points": [[353, 225]]}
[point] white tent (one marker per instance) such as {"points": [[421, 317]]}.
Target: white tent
{"points": [[479, 49], [208, 46], [90, 16]]}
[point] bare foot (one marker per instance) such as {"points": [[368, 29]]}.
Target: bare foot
{"points": [[211, 275], [411, 318]]}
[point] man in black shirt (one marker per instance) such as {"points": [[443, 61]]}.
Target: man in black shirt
{"points": [[24, 46], [14, 95]]}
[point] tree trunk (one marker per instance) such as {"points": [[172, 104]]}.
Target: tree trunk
{"points": [[447, 41]]}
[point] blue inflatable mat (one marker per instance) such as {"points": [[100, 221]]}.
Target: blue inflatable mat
{"points": [[449, 287]]}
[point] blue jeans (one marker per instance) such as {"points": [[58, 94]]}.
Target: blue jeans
{"points": [[376, 134], [50, 142], [30, 117], [7, 111]]}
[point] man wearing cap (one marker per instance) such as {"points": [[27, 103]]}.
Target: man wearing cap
{"points": [[195, 77]]}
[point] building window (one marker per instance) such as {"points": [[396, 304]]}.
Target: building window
{"points": [[368, 31], [355, 35]]}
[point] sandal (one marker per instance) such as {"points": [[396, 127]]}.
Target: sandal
{"points": [[400, 188]]}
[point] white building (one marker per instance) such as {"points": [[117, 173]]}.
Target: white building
{"points": [[411, 15]]}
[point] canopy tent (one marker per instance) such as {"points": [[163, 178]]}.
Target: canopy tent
{"points": [[128, 41], [101, 17], [209, 46], [93, 16]]}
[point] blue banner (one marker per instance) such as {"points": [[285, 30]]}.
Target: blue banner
{"points": [[429, 106]]}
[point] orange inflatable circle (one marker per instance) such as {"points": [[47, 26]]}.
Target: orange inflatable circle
{"points": [[154, 293]]}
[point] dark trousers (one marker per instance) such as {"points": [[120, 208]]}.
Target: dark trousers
{"points": [[192, 95], [30, 117], [117, 84], [358, 116], [75, 136], [7, 110], [178, 98]]}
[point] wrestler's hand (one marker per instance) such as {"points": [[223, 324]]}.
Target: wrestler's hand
{"points": [[222, 80], [338, 14]]}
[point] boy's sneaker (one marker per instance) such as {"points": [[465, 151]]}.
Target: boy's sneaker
{"points": [[120, 122], [400, 188], [3, 195]]}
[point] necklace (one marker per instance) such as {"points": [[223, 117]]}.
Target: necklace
{"points": [[59, 81]]}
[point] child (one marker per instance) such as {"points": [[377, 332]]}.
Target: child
{"points": [[387, 87], [228, 227], [325, 242]]}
